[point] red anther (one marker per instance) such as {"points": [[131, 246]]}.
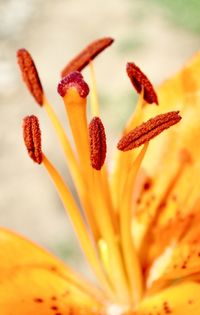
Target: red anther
{"points": [[140, 81], [148, 130], [97, 143], [32, 138], [86, 55], [30, 75]]}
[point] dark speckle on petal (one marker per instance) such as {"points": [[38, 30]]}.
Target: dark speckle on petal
{"points": [[38, 300]]}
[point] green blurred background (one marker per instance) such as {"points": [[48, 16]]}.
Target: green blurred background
{"points": [[159, 35]]}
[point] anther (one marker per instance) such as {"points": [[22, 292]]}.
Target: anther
{"points": [[148, 130], [140, 81], [86, 55], [97, 143], [74, 79], [32, 138], [30, 75]]}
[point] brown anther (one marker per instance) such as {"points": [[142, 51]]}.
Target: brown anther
{"points": [[97, 139], [30, 75], [148, 130], [86, 55], [32, 138], [141, 82]]}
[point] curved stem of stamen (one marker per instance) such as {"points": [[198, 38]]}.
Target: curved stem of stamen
{"points": [[117, 273], [69, 154], [78, 223], [108, 198], [129, 253], [136, 117], [125, 159], [93, 92]]}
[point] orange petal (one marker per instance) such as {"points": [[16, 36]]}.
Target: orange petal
{"points": [[172, 161], [185, 250], [34, 282], [181, 92], [182, 299]]}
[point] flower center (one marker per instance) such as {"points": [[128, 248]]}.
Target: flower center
{"points": [[104, 226]]}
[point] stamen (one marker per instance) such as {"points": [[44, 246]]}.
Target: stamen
{"points": [[86, 55], [129, 252], [104, 254], [30, 75], [148, 130], [139, 81], [74, 79], [78, 223], [97, 143], [123, 161], [32, 138], [103, 211], [103, 217], [94, 103], [31, 78]]}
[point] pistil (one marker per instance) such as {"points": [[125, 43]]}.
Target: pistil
{"points": [[74, 91]]}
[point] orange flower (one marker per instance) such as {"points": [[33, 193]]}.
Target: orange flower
{"points": [[139, 225]]}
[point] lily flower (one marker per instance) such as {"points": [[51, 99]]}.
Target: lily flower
{"points": [[137, 224]]}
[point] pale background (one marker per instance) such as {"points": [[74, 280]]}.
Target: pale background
{"points": [[158, 35]]}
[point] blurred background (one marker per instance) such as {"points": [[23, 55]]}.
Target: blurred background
{"points": [[159, 35]]}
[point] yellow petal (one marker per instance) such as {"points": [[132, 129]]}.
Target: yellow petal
{"points": [[181, 299], [34, 282]]}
